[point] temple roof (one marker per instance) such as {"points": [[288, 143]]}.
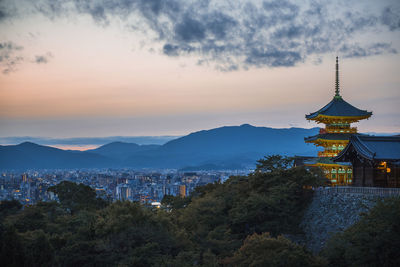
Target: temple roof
{"points": [[338, 107], [328, 136], [382, 148]]}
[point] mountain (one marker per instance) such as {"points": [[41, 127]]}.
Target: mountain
{"points": [[32, 156], [209, 149], [83, 141], [226, 146], [121, 150]]}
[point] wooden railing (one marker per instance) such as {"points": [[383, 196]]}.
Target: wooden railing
{"points": [[330, 153], [337, 130], [376, 191]]}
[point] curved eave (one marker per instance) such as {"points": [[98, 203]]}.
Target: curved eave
{"points": [[320, 118], [358, 146], [332, 138], [340, 156], [330, 164], [321, 141]]}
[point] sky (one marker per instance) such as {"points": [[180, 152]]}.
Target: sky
{"points": [[73, 68]]}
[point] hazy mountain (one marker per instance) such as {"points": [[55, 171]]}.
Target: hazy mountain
{"points": [[32, 156], [215, 148], [95, 141], [225, 146], [122, 150]]}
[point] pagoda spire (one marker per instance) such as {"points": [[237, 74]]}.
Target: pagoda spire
{"points": [[337, 94]]}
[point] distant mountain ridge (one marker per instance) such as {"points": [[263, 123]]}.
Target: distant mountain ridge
{"points": [[121, 150], [28, 155], [226, 146]]}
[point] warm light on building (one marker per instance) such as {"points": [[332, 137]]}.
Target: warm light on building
{"points": [[182, 190], [337, 116]]}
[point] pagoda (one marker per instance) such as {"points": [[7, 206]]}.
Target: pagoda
{"points": [[337, 116]]}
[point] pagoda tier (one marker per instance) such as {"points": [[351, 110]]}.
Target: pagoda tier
{"points": [[328, 138], [337, 116], [338, 112]]}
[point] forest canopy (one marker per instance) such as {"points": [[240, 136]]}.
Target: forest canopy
{"points": [[244, 221]]}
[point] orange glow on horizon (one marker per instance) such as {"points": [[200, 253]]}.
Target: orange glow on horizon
{"points": [[75, 147]]}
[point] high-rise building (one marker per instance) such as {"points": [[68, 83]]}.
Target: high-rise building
{"points": [[337, 116], [182, 190]]}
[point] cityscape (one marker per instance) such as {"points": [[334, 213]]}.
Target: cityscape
{"points": [[206, 133], [146, 187]]}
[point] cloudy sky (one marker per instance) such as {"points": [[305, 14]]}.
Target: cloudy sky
{"points": [[72, 68]]}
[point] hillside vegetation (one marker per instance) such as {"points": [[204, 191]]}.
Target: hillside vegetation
{"points": [[242, 222]]}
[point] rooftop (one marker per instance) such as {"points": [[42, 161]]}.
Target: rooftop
{"points": [[328, 136], [338, 107], [383, 148]]}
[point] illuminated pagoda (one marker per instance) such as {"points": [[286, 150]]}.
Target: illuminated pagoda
{"points": [[337, 116]]}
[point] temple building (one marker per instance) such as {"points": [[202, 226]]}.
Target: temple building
{"points": [[337, 116], [375, 160]]}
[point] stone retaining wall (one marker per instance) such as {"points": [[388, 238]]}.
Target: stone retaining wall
{"points": [[334, 209]]}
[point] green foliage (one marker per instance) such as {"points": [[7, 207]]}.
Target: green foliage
{"points": [[76, 197], [263, 250], [8, 207], [220, 216], [11, 247], [175, 202], [273, 163], [373, 241], [219, 224]]}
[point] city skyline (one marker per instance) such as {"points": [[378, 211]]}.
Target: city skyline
{"points": [[135, 68]]}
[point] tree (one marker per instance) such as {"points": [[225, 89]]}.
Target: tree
{"points": [[8, 207], [373, 241], [273, 163], [74, 197], [262, 250], [175, 202]]}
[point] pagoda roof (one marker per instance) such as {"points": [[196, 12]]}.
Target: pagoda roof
{"points": [[328, 136], [326, 160], [382, 148], [338, 107]]}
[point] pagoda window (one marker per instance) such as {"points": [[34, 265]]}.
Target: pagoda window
{"points": [[341, 147], [334, 147], [333, 171], [341, 170]]}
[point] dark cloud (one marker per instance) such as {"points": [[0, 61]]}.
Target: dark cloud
{"points": [[43, 59], [7, 10], [190, 30], [9, 56], [391, 18], [355, 50], [3, 15], [273, 58], [243, 34]]}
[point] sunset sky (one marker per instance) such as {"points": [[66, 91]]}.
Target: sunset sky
{"points": [[171, 67]]}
